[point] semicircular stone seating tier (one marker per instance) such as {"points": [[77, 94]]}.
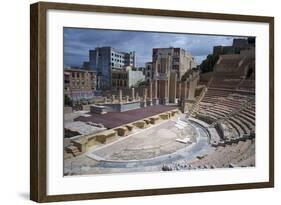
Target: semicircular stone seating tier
{"points": [[231, 113]]}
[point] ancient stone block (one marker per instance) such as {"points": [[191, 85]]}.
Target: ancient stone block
{"points": [[122, 131], [140, 124], [130, 127], [102, 137], [154, 120], [164, 116]]}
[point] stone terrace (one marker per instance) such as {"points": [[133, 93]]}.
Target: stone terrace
{"points": [[115, 119]]}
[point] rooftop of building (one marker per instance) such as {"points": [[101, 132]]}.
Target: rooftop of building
{"points": [[175, 48], [114, 49], [78, 70]]}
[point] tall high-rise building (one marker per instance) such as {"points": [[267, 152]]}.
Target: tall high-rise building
{"points": [[104, 59]]}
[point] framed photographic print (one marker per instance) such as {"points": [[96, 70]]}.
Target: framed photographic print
{"points": [[134, 102]]}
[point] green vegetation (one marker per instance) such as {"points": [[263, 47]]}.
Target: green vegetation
{"points": [[141, 83], [185, 76], [67, 100], [208, 64]]}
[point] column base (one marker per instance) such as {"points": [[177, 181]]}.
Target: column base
{"points": [[143, 104], [164, 101], [149, 103], [173, 101], [155, 101]]}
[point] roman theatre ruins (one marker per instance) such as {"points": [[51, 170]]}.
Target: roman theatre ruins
{"points": [[206, 121]]}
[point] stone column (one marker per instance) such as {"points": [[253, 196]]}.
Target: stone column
{"points": [[127, 98], [179, 91], [145, 94], [173, 87], [113, 98], [166, 93], [155, 89], [155, 99], [137, 96], [143, 102], [133, 94], [149, 100], [120, 96], [150, 91], [192, 88], [183, 96]]}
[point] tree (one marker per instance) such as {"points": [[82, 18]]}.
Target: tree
{"points": [[67, 100], [185, 75], [141, 83], [208, 64]]}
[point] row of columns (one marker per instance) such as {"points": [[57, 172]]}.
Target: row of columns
{"points": [[151, 95]]}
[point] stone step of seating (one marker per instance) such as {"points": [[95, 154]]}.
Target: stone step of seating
{"points": [[210, 100], [77, 153], [207, 119], [215, 97], [211, 115], [249, 119], [216, 113], [223, 107], [210, 111], [232, 105], [241, 124], [249, 116], [229, 105], [232, 101], [225, 85], [236, 127], [221, 110], [73, 150], [246, 122], [229, 142], [250, 112], [234, 132], [182, 123]]}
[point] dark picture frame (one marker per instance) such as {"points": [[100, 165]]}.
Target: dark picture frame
{"points": [[38, 100]]}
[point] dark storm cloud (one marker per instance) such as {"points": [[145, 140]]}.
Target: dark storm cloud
{"points": [[78, 42]]}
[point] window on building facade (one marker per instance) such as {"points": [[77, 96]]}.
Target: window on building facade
{"points": [[176, 67]]}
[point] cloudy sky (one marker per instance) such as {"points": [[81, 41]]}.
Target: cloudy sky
{"points": [[78, 42]]}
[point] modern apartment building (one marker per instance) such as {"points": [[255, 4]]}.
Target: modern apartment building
{"points": [[168, 67], [126, 78], [103, 59], [181, 60], [148, 71], [79, 84]]}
